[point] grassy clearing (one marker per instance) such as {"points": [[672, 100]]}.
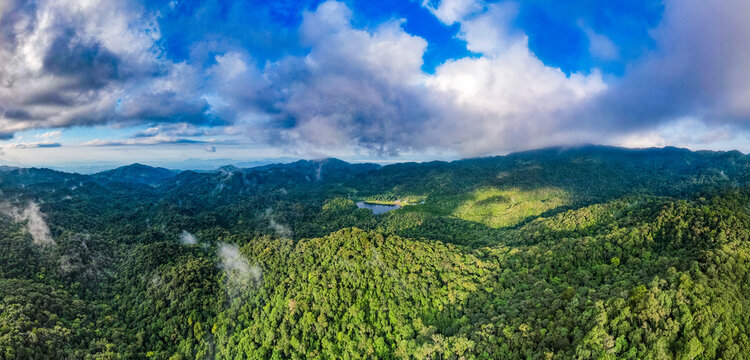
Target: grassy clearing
{"points": [[507, 207]]}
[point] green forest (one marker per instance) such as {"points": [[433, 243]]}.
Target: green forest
{"points": [[577, 253]]}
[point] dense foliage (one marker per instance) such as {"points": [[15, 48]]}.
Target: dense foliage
{"points": [[589, 253]]}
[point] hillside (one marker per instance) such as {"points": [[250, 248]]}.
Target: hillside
{"points": [[590, 252], [135, 173]]}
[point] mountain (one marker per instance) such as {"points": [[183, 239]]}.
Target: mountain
{"points": [[329, 169], [86, 167], [584, 252], [23, 177], [214, 164], [135, 173]]}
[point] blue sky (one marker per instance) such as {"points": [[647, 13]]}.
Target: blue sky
{"points": [[556, 30], [392, 80]]}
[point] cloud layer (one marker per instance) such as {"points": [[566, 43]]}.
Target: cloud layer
{"points": [[367, 88], [67, 63], [697, 71]]}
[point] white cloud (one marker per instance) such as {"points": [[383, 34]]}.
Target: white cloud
{"points": [[178, 129], [452, 11], [69, 62], [48, 143], [37, 226], [361, 89], [280, 229], [507, 99], [49, 134], [491, 32], [600, 46], [688, 132], [367, 88], [354, 86], [151, 140]]}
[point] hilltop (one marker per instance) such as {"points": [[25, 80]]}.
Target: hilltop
{"points": [[588, 252]]}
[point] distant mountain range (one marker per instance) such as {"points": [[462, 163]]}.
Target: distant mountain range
{"points": [[267, 172], [188, 164], [301, 171], [587, 252]]}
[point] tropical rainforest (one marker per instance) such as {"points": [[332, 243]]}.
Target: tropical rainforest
{"points": [[566, 253]]}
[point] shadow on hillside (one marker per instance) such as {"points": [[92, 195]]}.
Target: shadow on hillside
{"points": [[585, 179]]}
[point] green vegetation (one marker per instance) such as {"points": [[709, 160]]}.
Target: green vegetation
{"points": [[590, 253], [390, 199], [501, 208]]}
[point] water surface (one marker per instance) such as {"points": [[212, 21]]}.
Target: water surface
{"points": [[377, 209]]}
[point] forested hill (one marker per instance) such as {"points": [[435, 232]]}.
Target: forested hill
{"points": [[135, 173], [589, 252]]}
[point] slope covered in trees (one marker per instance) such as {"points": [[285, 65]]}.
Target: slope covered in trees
{"points": [[590, 253]]}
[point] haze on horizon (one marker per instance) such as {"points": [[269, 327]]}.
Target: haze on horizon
{"points": [[170, 80]]}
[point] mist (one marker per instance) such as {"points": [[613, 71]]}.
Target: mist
{"points": [[240, 274], [280, 229], [35, 224], [187, 238]]}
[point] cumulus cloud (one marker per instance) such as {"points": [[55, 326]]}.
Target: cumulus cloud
{"points": [[240, 275], [35, 224], [68, 62], [367, 88], [507, 99], [354, 86]]}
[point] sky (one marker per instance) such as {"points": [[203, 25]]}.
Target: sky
{"points": [[157, 80]]}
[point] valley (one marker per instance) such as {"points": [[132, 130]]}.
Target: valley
{"points": [[589, 252]]}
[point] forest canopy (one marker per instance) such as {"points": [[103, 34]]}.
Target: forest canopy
{"points": [[588, 253]]}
